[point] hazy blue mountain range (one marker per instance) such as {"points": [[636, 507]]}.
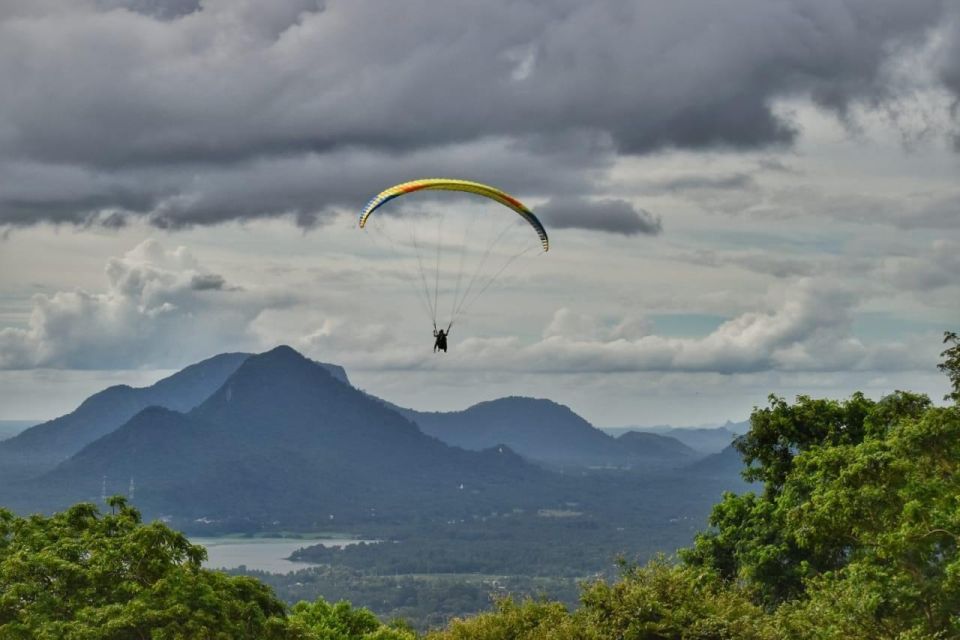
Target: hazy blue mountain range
{"points": [[42, 446], [704, 440], [278, 440], [47, 444], [725, 465], [656, 445], [283, 439], [547, 432]]}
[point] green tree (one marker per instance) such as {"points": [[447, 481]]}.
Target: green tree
{"points": [[83, 575], [658, 601], [951, 364], [511, 620], [321, 620], [860, 530], [889, 507], [758, 539], [665, 601], [80, 574], [782, 430]]}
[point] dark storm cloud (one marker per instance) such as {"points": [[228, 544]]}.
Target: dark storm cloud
{"points": [[151, 98], [732, 181], [312, 188], [950, 52], [612, 216], [207, 282], [163, 9]]}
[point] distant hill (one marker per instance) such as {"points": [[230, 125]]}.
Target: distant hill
{"points": [[725, 466], [654, 444], [283, 439], [704, 440], [544, 431]]}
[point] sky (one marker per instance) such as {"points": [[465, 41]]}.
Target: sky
{"points": [[743, 198]]}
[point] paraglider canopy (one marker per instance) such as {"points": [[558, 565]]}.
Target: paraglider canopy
{"points": [[450, 184]]}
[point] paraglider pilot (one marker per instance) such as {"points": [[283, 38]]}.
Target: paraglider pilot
{"points": [[441, 338]]}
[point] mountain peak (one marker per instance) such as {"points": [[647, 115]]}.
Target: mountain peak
{"points": [[283, 351], [282, 362], [279, 377], [289, 359], [522, 403]]}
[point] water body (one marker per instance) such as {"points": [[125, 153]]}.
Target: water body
{"points": [[262, 554]]}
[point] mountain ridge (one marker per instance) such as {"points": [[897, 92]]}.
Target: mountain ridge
{"points": [[283, 436], [42, 446], [542, 430]]}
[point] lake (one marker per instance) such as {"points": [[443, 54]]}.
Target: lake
{"points": [[262, 554]]}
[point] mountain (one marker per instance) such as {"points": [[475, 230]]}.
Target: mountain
{"points": [[285, 439], [541, 430], [726, 465], [41, 447], [704, 440], [44, 445], [653, 444]]}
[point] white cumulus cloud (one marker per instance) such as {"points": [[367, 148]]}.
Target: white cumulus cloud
{"points": [[161, 307]]}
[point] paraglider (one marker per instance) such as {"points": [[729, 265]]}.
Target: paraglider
{"points": [[441, 339], [479, 281]]}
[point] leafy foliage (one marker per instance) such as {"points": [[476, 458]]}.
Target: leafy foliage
{"points": [[526, 620], [951, 364], [655, 601], [321, 620], [858, 523], [80, 574], [664, 601]]}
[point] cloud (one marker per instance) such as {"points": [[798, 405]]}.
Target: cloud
{"points": [[207, 282], [186, 112], [309, 189], [609, 215], [942, 212], [806, 328], [161, 308], [934, 268], [770, 263], [808, 331], [570, 325], [733, 181], [948, 52], [162, 9], [724, 192], [737, 193], [908, 211]]}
